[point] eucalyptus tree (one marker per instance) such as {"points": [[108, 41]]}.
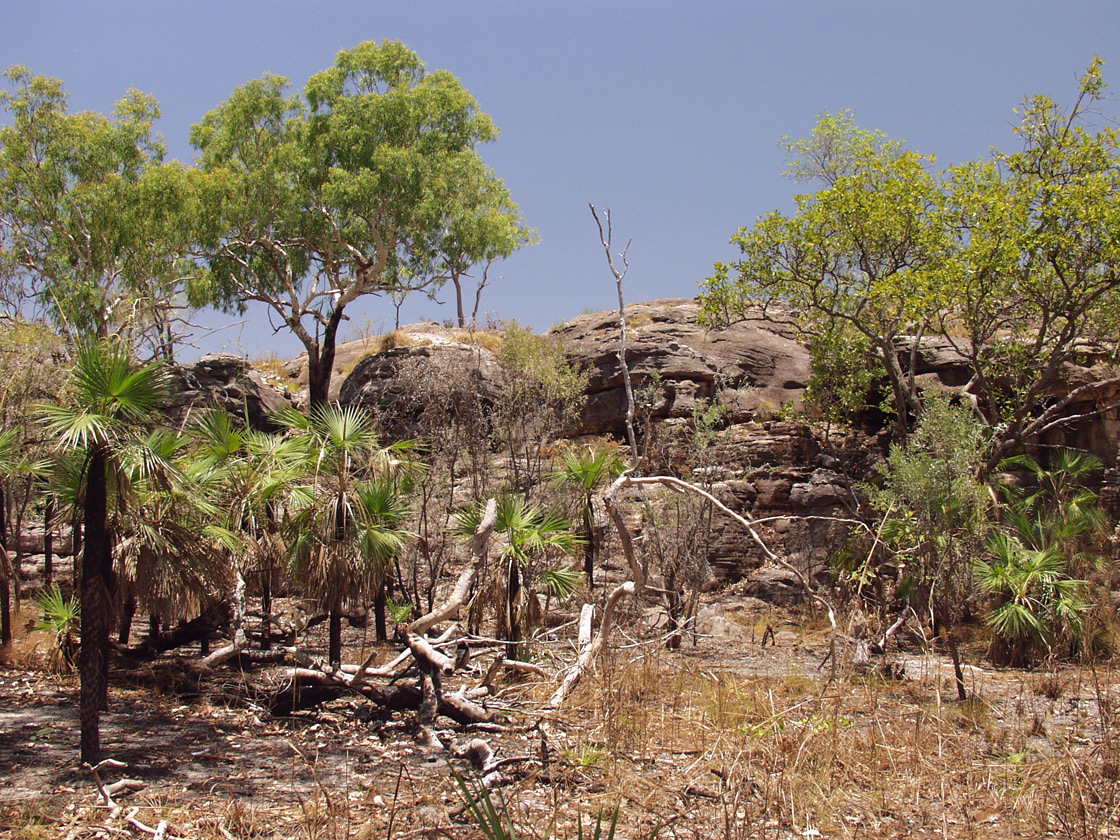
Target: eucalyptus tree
{"points": [[342, 190], [110, 401], [486, 227], [349, 510], [93, 222]]}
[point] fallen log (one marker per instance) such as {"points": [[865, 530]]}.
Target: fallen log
{"points": [[216, 617], [310, 688]]}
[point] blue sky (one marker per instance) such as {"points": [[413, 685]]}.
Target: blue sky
{"points": [[668, 113]]}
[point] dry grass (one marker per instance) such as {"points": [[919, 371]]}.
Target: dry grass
{"points": [[642, 319], [686, 745], [398, 339], [489, 341], [702, 752], [275, 371]]}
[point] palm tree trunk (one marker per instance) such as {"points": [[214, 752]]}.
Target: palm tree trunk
{"points": [[128, 612], [589, 549], [380, 620], [334, 653], [91, 664], [266, 607], [5, 586], [48, 540], [513, 591], [75, 552], [108, 600], [5, 613]]}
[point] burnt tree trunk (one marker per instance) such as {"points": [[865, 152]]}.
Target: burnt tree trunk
{"points": [[266, 608], [380, 608], [48, 541], [128, 613], [513, 617], [76, 548], [589, 548], [5, 584], [334, 654], [95, 557], [321, 363]]}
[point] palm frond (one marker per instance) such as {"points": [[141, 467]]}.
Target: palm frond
{"points": [[561, 581]]}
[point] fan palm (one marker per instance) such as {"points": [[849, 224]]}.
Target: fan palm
{"points": [[22, 474], [1047, 542], [585, 469], [347, 517], [532, 535], [110, 400], [1038, 601], [247, 473], [165, 565], [1060, 512]]}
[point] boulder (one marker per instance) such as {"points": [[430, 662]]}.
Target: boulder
{"points": [[774, 585], [752, 367], [228, 382], [374, 378]]}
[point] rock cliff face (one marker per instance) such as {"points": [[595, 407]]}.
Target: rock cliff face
{"points": [[779, 474], [751, 367], [785, 474]]}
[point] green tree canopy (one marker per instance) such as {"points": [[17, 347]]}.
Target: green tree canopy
{"points": [[345, 189], [93, 222], [487, 227], [1036, 287], [1014, 260], [863, 251]]}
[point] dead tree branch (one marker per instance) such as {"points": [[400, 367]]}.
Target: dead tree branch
{"points": [[638, 573], [605, 239]]}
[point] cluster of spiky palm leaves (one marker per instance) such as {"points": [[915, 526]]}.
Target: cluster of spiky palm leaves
{"points": [[533, 541], [585, 469], [349, 511], [1038, 557], [170, 518]]}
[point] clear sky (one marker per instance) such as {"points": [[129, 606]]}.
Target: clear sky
{"points": [[667, 113]]}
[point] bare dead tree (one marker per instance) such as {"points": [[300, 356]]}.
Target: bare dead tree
{"points": [[605, 238]]}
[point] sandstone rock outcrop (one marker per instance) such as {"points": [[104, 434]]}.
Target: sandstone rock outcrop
{"points": [[785, 474], [430, 350], [228, 382], [751, 367], [776, 473]]}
